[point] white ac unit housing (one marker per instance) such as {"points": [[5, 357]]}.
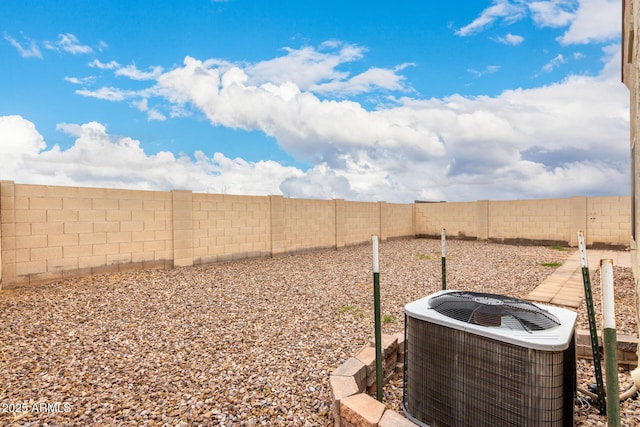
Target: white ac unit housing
{"points": [[478, 359]]}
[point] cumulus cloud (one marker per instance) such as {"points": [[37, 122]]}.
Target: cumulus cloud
{"points": [[304, 125], [559, 140], [319, 182], [595, 21], [20, 143], [102, 160]]}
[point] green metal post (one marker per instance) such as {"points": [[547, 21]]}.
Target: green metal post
{"points": [[443, 256], [376, 314], [593, 332], [610, 343]]}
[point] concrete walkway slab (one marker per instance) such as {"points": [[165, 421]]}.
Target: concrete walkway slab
{"points": [[565, 286]]}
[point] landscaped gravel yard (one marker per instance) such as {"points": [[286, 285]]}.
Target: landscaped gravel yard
{"points": [[250, 342]]}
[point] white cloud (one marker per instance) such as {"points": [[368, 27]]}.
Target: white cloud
{"points": [[510, 39], [554, 63], [588, 20], [20, 143], [500, 9], [70, 43], [552, 13], [101, 160], [19, 138], [371, 80], [304, 125], [595, 21], [306, 66], [81, 80], [318, 183], [555, 141], [108, 93], [154, 114], [611, 58], [489, 69], [317, 70], [453, 148], [142, 105], [132, 72], [31, 51], [559, 140], [66, 42], [111, 65]]}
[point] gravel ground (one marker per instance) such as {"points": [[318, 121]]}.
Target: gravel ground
{"points": [[249, 342]]}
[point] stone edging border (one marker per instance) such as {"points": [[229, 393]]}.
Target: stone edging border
{"points": [[627, 348], [351, 381]]}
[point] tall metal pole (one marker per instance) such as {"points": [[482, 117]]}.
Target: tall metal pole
{"points": [[376, 315], [610, 342], [593, 332], [443, 256]]}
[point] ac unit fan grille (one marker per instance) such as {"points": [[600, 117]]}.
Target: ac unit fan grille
{"points": [[494, 311]]}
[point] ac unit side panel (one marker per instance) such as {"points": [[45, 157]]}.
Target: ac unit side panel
{"points": [[456, 378]]}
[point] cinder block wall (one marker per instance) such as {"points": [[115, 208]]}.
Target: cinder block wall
{"points": [[535, 220], [48, 233], [309, 224], [360, 220], [396, 220], [230, 227], [606, 221], [457, 218], [608, 218]]}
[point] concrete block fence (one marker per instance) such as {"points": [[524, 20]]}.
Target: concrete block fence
{"points": [[48, 233], [605, 220]]}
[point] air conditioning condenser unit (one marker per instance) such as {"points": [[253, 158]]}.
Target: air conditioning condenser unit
{"points": [[480, 359]]}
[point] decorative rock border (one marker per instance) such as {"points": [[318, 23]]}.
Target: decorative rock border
{"points": [[351, 381], [356, 377]]}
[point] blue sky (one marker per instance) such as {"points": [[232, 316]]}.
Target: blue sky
{"points": [[395, 101]]}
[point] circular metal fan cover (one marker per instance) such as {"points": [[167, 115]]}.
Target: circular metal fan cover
{"points": [[493, 310]]}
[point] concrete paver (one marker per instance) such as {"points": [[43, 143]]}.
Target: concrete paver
{"points": [[565, 286]]}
